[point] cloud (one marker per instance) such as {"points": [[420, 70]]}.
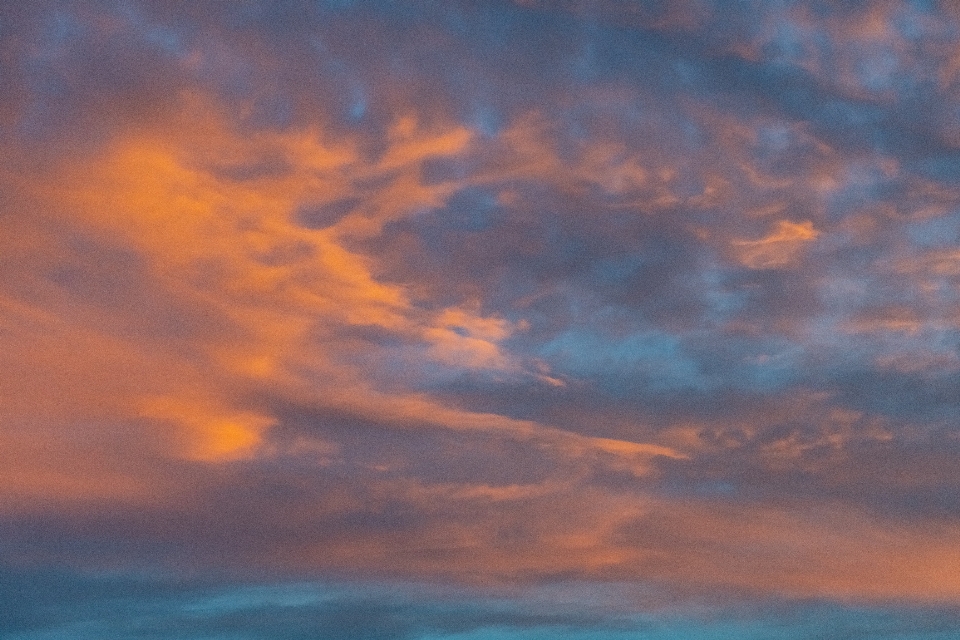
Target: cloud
{"points": [[144, 608], [500, 294], [778, 248]]}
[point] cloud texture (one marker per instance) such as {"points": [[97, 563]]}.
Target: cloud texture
{"points": [[655, 302]]}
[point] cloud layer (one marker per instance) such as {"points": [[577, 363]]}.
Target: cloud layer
{"points": [[499, 295]]}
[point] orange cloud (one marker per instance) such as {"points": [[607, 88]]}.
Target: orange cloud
{"points": [[234, 248], [780, 248]]}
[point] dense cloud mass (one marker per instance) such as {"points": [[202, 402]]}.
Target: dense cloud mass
{"points": [[450, 319]]}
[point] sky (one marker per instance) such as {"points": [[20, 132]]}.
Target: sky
{"points": [[480, 320]]}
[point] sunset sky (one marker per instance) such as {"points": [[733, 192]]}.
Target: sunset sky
{"points": [[480, 319]]}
